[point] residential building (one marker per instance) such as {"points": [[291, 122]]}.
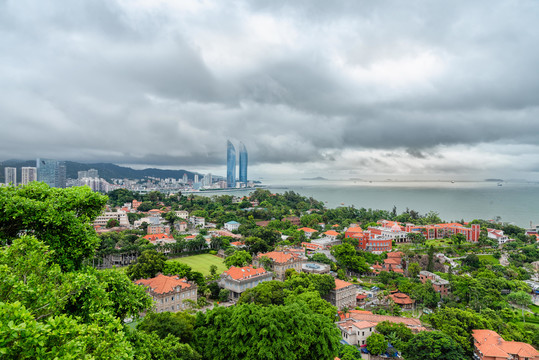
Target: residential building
{"points": [[308, 231], [10, 176], [28, 174], [230, 165], [498, 235], [440, 285], [169, 292], [158, 229], [135, 204], [488, 345], [239, 279], [232, 225], [356, 332], [104, 218], [197, 221], [180, 226], [343, 295], [331, 234], [160, 239], [243, 164], [282, 261], [182, 214], [403, 300], [93, 173]]}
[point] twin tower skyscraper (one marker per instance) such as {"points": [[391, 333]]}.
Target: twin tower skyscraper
{"points": [[231, 165]]}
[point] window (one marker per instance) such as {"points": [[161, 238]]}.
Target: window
{"points": [[172, 298]]}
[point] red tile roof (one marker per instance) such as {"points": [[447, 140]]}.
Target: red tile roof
{"points": [[395, 254], [490, 344], [401, 299], [279, 257], [307, 230], [162, 284], [245, 272], [339, 284], [157, 237], [331, 233]]}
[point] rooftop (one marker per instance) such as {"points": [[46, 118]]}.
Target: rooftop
{"points": [[162, 284]]}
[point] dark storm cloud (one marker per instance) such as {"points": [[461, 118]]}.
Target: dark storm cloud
{"points": [[313, 82]]}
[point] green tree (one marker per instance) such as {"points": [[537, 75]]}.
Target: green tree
{"points": [[413, 270], [112, 223], [179, 324], [61, 218], [522, 299], [148, 264], [273, 332], [376, 344], [239, 258], [266, 293], [433, 345], [151, 346], [213, 269], [224, 294]]}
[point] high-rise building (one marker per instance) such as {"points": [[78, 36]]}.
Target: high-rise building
{"points": [[185, 179], [28, 174], [51, 172], [230, 165], [243, 163], [10, 175], [92, 173], [82, 174], [196, 179]]}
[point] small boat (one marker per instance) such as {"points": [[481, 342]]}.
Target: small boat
{"points": [[452, 181], [499, 184]]}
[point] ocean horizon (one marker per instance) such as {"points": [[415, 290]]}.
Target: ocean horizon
{"points": [[509, 201]]}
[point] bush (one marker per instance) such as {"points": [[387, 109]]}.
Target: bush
{"points": [[213, 252]]}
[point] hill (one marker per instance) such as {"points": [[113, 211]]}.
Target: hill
{"points": [[107, 171]]}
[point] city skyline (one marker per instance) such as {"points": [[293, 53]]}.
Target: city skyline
{"points": [[356, 89]]}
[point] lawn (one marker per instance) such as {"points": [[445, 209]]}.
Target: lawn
{"points": [[489, 258], [203, 262]]}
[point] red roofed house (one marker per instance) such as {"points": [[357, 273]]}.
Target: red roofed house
{"points": [[312, 247], [237, 280], [308, 231], [403, 300], [488, 345], [282, 261], [344, 295], [332, 234], [169, 292]]}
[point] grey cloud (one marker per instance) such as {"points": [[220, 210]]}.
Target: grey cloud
{"points": [[107, 81]]}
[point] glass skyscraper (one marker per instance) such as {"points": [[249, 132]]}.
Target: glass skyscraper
{"points": [[230, 165], [243, 163], [51, 172]]}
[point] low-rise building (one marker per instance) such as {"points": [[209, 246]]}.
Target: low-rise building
{"points": [[120, 216], [282, 261], [440, 285], [488, 345], [403, 300], [197, 221], [308, 231], [232, 225], [498, 235], [294, 220], [315, 268], [158, 229], [239, 279], [356, 332], [169, 292], [343, 295], [182, 214]]}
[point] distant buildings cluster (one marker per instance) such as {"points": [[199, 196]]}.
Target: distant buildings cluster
{"points": [[49, 171]]}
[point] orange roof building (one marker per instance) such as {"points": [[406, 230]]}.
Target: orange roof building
{"points": [[282, 261], [168, 292], [239, 279], [343, 295], [402, 300], [488, 345]]}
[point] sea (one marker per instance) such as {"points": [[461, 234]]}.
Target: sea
{"points": [[510, 202]]}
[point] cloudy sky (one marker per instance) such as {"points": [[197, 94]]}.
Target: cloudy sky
{"points": [[410, 89]]}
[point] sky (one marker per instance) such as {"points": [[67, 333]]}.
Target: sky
{"points": [[346, 89]]}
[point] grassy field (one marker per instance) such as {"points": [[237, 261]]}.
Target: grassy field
{"points": [[203, 262], [491, 259], [534, 308]]}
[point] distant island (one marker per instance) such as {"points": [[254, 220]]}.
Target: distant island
{"points": [[494, 180], [315, 178]]}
